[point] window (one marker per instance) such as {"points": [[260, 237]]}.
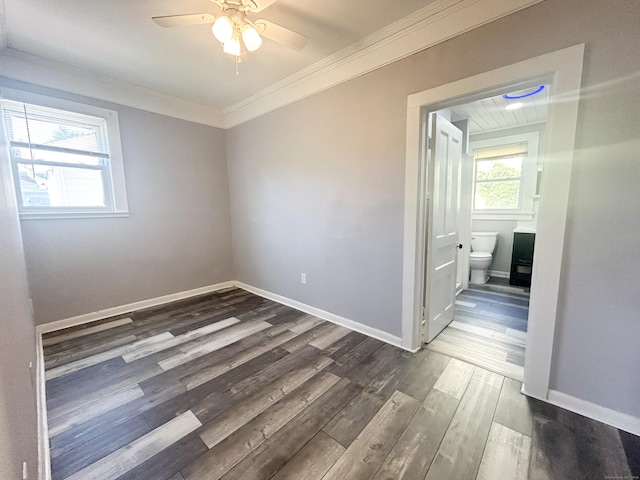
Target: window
{"points": [[505, 175], [66, 162]]}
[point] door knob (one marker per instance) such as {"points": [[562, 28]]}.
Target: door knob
{"points": [[459, 246]]}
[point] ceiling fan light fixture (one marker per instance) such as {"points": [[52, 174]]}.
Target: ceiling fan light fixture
{"points": [[251, 38], [223, 29], [232, 47]]}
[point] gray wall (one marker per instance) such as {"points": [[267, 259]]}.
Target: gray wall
{"points": [[176, 238], [18, 434], [317, 187]]}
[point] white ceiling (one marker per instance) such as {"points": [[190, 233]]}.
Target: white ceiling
{"points": [[118, 39], [489, 114]]}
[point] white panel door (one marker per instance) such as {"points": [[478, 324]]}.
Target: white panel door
{"points": [[442, 226]]}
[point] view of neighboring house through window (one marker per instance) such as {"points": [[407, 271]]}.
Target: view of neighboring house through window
{"points": [[62, 160]]}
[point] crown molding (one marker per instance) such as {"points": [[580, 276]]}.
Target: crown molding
{"points": [[439, 21], [25, 67], [433, 24]]}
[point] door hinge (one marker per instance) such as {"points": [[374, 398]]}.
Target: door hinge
{"points": [[429, 142]]}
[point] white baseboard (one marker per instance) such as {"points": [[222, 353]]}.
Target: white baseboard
{"points": [[499, 274], [620, 420], [131, 307], [44, 455], [330, 317]]}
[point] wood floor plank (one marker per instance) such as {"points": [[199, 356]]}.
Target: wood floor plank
{"points": [[332, 336], [62, 466], [413, 453], [310, 335], [57, 359], [146, 350], [168, 462], [513, 408], [209, 372], [224, 456], [216, 342], [102, 357], [506, 455], [275, 452], [216, 390], [365, 455], [234, 418], [121, 461], [352, 419], [51, 340], [100, 406], [373, 365], [313, 461], [305, 324], [455, 378], [486, 376], [461, 449], [349, 360], [423, 373]]}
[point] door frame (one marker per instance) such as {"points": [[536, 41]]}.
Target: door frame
{"points": [[563, 70]]}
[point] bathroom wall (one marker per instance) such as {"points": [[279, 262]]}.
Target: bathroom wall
{"points": [[502, 255]]}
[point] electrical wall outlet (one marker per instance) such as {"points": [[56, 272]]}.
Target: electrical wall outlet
{"points": [[303, 278]]}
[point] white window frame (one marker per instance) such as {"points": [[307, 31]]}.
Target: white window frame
{"points": [[529, 176], [115, 186]]}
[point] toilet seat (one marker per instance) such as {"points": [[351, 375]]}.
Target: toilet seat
{"points": [[480, 255]]}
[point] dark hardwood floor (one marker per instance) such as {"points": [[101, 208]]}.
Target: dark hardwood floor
{"points": [[233, 386]]}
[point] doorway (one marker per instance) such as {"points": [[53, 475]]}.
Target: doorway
{"points": [[562, 70], [500, 160]]}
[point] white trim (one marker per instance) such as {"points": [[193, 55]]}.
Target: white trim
{"points": [[498, 274], [131, 307], [616, 419], [40, 71], [117, 194], [44, 454], [330, 317], [439, 21], [433, 24], [564, 69]]}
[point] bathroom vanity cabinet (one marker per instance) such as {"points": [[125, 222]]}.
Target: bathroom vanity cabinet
{"points": [[522, 257]]}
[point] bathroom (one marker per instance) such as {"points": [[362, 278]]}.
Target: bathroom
{"points": [[501, 168]]}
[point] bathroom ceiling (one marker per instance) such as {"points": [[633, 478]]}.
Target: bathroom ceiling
{"points": [[490, 114]]}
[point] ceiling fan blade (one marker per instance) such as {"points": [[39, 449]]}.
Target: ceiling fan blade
{"points": [[184, 20], [280, 34], [262, 4]]}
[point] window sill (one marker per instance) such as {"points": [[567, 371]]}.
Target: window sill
{"points": [[70, 215], [502, 216]]}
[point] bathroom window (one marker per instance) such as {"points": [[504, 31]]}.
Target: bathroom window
{"points": [[66, 157], [504, 177]]}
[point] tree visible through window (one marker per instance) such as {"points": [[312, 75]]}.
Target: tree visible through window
{"points": [[498, 177]]}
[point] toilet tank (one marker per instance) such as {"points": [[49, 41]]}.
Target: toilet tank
{"points": [[483, 241]]}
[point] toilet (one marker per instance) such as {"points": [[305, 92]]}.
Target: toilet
{"points": [[482, 246]]}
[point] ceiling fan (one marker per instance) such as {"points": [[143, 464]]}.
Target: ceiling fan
{"points": [[233, 25]]}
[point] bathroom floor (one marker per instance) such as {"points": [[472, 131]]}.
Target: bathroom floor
{"points": [[489, 328]]}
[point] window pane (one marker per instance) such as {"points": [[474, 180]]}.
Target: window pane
{"points": [[60, 186], [499, 168], [24, 154], [497, 195], [54, 130]]}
